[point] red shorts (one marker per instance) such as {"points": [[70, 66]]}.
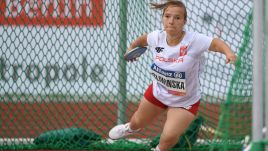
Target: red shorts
{"points": [[150, 97]]}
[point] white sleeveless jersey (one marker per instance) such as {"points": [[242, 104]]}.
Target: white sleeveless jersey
{"points": [[176, 69]]}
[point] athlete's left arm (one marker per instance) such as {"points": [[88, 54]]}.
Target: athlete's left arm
{"points": [[219, 45]]}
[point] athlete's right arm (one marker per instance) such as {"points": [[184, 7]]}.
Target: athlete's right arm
{"points": [[139, 42]]}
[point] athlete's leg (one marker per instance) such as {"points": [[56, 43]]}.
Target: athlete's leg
{"points": [[178, 120], [145, 114], [149, 108]]}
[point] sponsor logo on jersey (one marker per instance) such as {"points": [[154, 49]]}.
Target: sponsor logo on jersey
{"points": [[159, 49], [171, 60]]}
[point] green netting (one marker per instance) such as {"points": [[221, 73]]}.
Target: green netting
{"points": [[64, 83]]}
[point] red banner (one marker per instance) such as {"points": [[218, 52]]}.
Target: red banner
{"points": [[52, 12]]}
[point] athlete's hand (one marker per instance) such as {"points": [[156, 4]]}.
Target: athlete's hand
{"points": [[131, 60], [231, 58]]}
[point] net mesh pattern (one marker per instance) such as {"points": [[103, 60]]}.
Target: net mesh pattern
{"points": [[64, 83]]}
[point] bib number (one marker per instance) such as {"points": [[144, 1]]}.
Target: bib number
{"points": [[174, 82]]}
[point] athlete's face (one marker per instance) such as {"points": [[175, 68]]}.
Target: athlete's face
{"points": [[173, 19]]}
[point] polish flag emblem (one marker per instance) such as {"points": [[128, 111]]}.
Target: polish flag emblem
{"points": [[183, 50]]}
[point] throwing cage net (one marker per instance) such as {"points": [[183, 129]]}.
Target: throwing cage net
{"points": [[64, 83]]}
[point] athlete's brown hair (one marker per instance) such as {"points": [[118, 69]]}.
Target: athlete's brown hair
{"points": [[164, 6]]}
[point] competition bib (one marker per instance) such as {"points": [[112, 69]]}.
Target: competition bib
{"points": [[175, 82]]}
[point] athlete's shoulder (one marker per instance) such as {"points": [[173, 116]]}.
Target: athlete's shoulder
{"points": [[154, 37], [197, 36], [158, 34], [200, 35], [189, 36]]}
